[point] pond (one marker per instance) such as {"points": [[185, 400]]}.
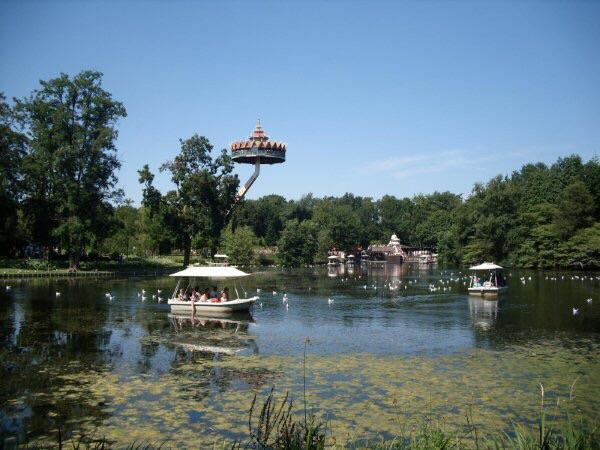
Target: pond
{"points": [[386, 352]]}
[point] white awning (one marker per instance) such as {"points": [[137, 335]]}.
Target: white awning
{"points": [[333, 257], [220, 255], [210, 272], [486, 266]]}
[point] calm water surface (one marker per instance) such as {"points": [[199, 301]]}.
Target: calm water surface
{"points": [[387, 350]]}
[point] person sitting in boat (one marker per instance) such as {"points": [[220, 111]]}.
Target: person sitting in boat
{"points": [[205, 296], [225, 295], [195, 294], [214, 293], [182, 295]]}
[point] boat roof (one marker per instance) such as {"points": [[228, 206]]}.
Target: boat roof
{"points": [[333, 257], [210, 272], [220, 255], [486, 266]]}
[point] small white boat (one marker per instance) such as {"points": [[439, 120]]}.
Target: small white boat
{"points": [[219, 272], [334, 260], [495, 283]]}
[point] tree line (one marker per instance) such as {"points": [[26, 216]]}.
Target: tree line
{"points": [[58, 163]]}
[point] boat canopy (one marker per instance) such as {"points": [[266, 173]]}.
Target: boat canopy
{"points": [[211, 272], [333, 257], [486, 266], [220, 255]]}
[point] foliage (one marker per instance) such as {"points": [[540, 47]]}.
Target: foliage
{"points": [[195, 212], [58, 191], [69, 169], [12, 150], [298, 244], [239, 245], [276, 428]]}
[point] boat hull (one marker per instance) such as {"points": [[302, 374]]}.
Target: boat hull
{"points": [[242, 304], [488, 291]]}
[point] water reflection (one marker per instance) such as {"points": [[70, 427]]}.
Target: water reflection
{"points": [[97, 362], [484, 313], [197, 333]]}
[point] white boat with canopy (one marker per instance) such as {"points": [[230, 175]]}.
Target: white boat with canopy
{"points": [[492, 285], [212, 306]]}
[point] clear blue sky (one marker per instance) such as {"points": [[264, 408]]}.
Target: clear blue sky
{"points": [[371, 97]]}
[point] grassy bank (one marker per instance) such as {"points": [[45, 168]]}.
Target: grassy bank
{"points": [[152, 264]]}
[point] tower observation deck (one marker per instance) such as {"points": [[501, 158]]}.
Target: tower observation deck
{"points": [[257, 150], [258, 147]]}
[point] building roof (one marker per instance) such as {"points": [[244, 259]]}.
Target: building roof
{"points": [[486, 266], [210, 272], [258, 139]]}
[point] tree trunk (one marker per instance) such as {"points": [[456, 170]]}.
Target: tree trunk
{"points": [[74, 261], [187, 250]]}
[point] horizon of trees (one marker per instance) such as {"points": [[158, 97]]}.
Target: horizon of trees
{"points": [[58, 190]]}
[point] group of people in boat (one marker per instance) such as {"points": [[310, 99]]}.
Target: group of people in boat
{"points": [[207, 295], [498, 282]]}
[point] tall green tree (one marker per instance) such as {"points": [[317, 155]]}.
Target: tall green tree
{"points": [[575, 209], [12, 150], [239, 245], [298, 243], [197, 210], [70, 169]]}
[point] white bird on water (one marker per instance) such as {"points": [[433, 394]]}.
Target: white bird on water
{"points": [[274, 292], [8, 288], [158, 291], [330, 301], [260, 304], [258, 290], [575, 311], [57, 294], [589, 300], [107, 295]]}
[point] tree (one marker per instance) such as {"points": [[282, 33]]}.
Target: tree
{"points": [[575, 209], [298, 244], [239, 245], [69, 171], [205, 191], [12, 150], [583, 249]]}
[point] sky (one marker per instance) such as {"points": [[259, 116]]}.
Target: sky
{"points": [[371, 97]]}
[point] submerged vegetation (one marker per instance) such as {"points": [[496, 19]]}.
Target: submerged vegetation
{"points": [[276, 426]]}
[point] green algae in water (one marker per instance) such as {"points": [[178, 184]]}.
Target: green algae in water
{"points": [[359, 395]]}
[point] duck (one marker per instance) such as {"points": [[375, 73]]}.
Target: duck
{"points": [[57, 293], [575, 311]]}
